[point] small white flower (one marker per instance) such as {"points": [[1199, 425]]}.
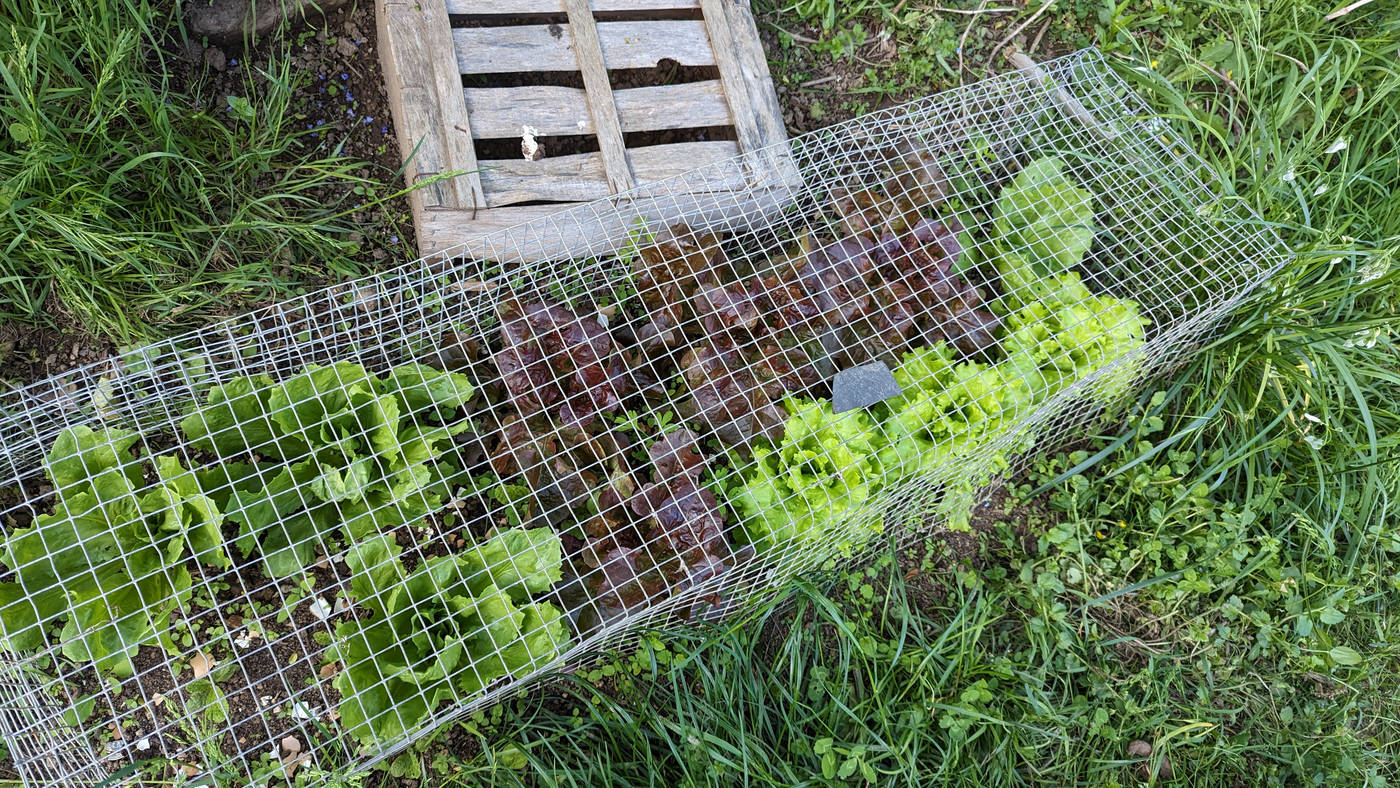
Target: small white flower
{"points": [[1375, 268], [1314, 441], [1338, 146], [1312, 418], [1321, 189], [302, 712], [1290, 175]]}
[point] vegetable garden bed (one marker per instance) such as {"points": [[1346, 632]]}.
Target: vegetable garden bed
{"points": [[295, 541]]}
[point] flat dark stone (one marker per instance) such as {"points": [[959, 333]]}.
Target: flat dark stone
{"points": [[862, 386]]}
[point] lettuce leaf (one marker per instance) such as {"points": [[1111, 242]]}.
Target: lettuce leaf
{"points": [[235, 419], [519, 561], [444, 631], [1043, 225], [108, 562], [1071, 333]]}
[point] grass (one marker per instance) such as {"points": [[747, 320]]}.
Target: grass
{"points": [[131, 204], [1204, 595]]}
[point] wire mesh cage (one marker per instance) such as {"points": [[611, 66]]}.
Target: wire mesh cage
{"points": [[291, 543]]}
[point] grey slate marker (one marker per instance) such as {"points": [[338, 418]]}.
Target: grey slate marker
{"points": [[862, 386]]}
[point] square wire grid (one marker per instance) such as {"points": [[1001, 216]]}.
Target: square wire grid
{"points": [[330, 550]]}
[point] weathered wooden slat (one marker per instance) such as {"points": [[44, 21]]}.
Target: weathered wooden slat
{"points": [[580, 177], [516, 7], [552, 111], [425, 99], [743, 67], [758, 120], [598, 89], [496, 50], [539, 232]]}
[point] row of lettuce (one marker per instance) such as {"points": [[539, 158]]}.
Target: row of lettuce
{"points": [[958, 420], [338, 461], [955, 424], [343, 460]]}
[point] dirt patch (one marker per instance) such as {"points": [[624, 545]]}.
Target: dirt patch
{"points": [[30, 353]]}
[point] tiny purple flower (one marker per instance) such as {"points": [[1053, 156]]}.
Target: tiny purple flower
{"points": [[233, 61], [393, 239], [344, 75]]}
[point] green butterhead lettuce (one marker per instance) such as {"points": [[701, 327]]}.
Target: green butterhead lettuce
{"points": [[360, 454], [108, 563], [444, 631], [1043, 225]]}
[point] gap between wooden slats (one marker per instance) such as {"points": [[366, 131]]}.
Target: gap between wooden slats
{"points": [[497, 50], [515, 7], [578, 177], [552, 111]]}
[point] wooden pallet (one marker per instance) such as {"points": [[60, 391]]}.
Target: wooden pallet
{"points": [[460, 72]]}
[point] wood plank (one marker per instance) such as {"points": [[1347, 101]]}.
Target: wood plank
{"points": [[500, 112], [528, 233], [425, 99], [496, 50], [589, 51], [581, 177], [743, 67], [516, 7]]}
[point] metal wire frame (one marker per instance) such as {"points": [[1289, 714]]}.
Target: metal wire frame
{"points": [[1166, 238]]}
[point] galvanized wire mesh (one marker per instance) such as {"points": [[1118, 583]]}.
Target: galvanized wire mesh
{"points": [[277, 545]]}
